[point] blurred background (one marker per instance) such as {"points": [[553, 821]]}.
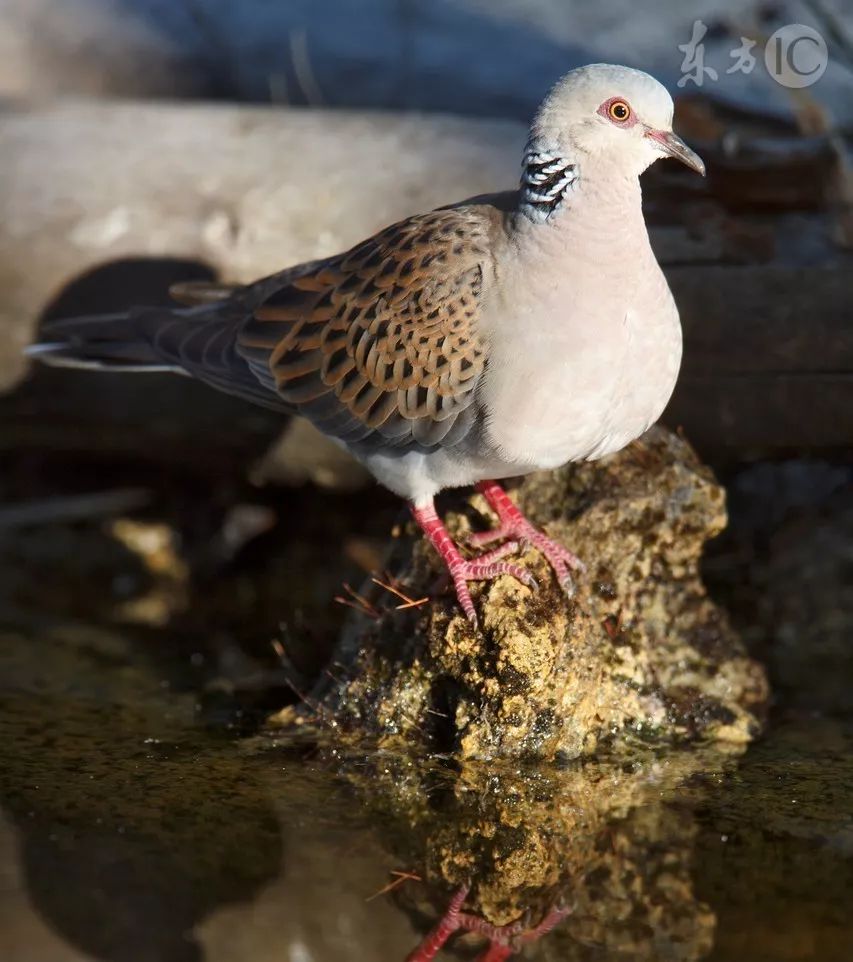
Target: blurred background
{"points": [[155, 535]]}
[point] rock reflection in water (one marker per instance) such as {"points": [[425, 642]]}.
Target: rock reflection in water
{"points": [[591, 861]]}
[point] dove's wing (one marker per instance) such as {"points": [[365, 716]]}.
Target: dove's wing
{"points": [[385, 339], [383, 342]]}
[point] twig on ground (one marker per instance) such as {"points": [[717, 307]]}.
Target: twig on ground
{"points": [[401, 877]]}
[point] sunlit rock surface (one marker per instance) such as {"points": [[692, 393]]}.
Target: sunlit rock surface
{"points": [[641, 652]]}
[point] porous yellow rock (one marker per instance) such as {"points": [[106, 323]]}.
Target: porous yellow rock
{"points": [[639, 653]]}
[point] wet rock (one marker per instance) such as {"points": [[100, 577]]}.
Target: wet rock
{"points": [[639, 654]]}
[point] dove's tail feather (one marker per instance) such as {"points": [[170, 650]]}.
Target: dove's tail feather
{"points": [[199, 341], [101, 342]]}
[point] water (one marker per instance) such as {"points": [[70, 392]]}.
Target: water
{"points": [[137, 827]]}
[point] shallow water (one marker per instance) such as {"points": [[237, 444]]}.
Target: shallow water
{"points": [[135, 829]]}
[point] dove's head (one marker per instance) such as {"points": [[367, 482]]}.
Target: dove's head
{"points": [[611, 113]]}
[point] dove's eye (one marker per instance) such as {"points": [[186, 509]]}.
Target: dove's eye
{"points": [[619, 111]]}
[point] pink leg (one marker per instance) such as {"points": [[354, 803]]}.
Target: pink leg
{"points": [[513, 524], [441, 932], [462, 570]]}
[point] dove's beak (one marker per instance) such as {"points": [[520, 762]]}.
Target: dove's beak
{"points": [[673, 146]]}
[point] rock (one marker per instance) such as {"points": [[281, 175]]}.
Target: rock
{"points": [[805, 592], [640, 654], [435, 56], [93, 47]]}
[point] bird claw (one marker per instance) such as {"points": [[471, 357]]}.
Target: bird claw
{"points": [[515, 530], [525, 536], [504, 940], [568, 585], [486, 568]]}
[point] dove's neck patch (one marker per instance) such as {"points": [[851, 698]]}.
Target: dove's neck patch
{"points": [[546, 178]]}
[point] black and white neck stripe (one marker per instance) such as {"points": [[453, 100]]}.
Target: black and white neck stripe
{"points": [[546, 178]]}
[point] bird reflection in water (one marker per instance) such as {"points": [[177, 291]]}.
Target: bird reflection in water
{"points": [[504, 940]]}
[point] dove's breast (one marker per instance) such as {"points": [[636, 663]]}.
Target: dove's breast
{"points": [[578, 369]]}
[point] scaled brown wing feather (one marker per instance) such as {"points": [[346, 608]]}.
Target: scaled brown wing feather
{"points": [[382, 340]]}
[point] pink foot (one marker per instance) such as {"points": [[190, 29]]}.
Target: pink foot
{"points": [[441, 931], [504, 940], [512, 524], [462, 570]]}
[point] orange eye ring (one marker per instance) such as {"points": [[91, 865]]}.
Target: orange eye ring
{"points": [[619, 111]]}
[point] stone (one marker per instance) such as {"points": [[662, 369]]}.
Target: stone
{"points": [[641, 653]]}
